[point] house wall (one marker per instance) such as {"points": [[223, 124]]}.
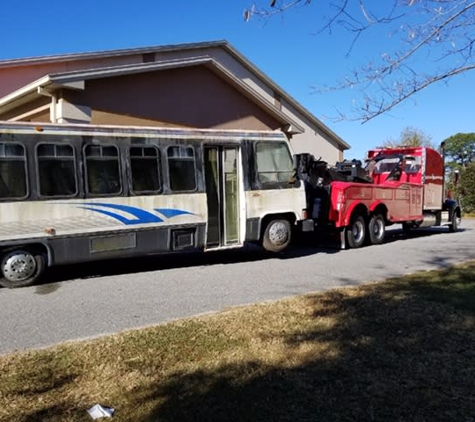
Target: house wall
{"points": [[193, 96], [313, 139], [16, 77], [186, 97]]}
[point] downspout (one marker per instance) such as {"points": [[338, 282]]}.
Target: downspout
{"points": [[442, 152], [54, 100]]}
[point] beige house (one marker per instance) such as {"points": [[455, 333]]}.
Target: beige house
{"points": [[199, 85]]}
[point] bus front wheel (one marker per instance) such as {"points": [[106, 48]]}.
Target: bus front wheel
{"points": [[20, 268], [276, 236]]}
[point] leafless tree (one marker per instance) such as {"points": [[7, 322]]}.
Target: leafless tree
{"points": [[438, 38], [410, 137]]}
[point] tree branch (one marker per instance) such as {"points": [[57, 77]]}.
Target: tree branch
{"points": [[437, 33]]}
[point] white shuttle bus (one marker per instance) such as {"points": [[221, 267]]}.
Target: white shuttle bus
{"points": [[77, 193]]}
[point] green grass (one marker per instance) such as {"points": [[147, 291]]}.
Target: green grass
{"points": [[402, 350]]}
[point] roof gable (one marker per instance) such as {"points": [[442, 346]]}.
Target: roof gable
{"points": [[127, 61]]}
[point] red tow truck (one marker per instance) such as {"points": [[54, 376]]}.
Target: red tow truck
{"points": [[403, 185]]}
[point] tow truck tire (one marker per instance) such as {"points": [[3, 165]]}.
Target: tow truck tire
{"points": [[454, 225], [356, 232], [277, 235], [20, 268], [377, 229]]}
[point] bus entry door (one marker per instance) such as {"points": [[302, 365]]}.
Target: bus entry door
{"points": [[222, 192]]}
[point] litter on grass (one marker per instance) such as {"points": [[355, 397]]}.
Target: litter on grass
{"points": [[98, 411]]}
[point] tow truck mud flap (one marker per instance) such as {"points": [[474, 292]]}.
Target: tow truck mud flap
{"points": [[308, 225], [343, 238]]}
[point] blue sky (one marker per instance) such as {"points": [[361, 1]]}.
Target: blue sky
{"points": [[286, 48]]}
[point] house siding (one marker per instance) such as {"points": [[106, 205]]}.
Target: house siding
{"points": [[194, 96], [184, 97]]}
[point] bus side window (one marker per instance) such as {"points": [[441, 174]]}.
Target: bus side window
{"points": [[13, 183], [102, 170], [181, 168], [274, 163], [56, 170], [144, 168]]}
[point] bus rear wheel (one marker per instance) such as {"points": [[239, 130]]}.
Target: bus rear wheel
{"points": [[276, 236], [20, 268]]}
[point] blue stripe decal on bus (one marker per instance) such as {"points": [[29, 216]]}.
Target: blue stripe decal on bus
{"points": [[172, 212], [141, 216]]}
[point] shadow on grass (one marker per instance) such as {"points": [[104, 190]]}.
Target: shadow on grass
{"points": [[34, 384], [395, 352], [403, 350]]}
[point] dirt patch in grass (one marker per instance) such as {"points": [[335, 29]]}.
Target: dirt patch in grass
{"points": [[402, 350]]}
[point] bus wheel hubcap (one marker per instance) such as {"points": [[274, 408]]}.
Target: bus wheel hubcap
{"points": [[278, 234], [19, 267]]}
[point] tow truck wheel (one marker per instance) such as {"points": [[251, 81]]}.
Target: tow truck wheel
{"points": [[356, 233], [456, 220], [277, 236], [20, 268], [377, 229]]}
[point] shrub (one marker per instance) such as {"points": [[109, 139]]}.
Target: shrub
{"points": [[466, 188]]}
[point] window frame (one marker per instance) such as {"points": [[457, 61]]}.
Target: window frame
{"points": [[72, 158], [273, 184], [193, 158], [157, 159], [25, 167], [87, 157]]}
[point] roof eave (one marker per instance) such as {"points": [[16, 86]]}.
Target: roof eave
{"points": [[30, 61]]}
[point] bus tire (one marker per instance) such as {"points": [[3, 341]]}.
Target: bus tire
{"points": [[20, 268], [376, 229], [277, 235], [356, 233]]}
